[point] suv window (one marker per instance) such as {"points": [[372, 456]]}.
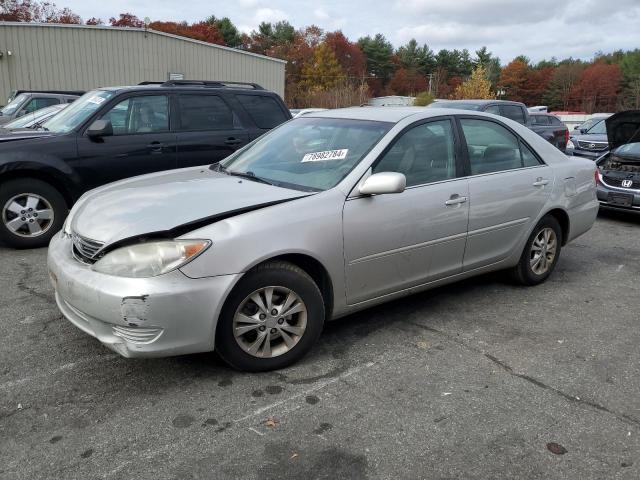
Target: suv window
{"points": [[40, 102], [495, 109], [265, 111], [556, 121], [514, 112], [493, 148], [424, 154], [144, 114], [205, 112]]}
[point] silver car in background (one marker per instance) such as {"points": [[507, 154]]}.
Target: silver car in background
{"points": [[328, 214]]}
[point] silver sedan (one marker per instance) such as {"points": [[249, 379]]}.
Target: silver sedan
{"points": [[328, 214]]}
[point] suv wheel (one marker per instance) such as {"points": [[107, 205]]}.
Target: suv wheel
{"points": [[32, 211], [271, 319], [541, 253]]}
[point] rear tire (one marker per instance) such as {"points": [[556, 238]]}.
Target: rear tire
{"points": [[260, 335], [31, 212], [540, 254]]}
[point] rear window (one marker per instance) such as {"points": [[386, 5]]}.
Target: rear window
{"points": [[265, 111], [540, 119], [514, 112]]}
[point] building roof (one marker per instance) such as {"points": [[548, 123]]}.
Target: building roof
{"points": [[144, 31]]}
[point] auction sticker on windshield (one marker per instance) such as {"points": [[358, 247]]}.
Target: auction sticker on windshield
{"points": [[96, 99], [326, 155]]}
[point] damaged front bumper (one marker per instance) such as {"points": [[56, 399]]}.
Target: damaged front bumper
{"points": [[170, 314]]}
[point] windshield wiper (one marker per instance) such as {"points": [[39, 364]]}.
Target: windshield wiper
{"points": [[247, 175]]}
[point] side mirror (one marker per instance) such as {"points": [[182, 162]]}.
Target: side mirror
{"points": [[382, 183], [21, 113], [100, 128], [583, 131], [576, 127]]}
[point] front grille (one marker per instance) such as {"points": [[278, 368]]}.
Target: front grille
{"points": [[593, 146], [137, 334], [617, 182], [85, 249]]}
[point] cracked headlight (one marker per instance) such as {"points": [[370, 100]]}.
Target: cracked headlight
{"points": [[151, 258]]}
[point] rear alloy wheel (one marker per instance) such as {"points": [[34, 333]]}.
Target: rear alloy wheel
{"points": [[271, 319], [540, 254], [32, 212]]}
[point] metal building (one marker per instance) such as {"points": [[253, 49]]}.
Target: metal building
{"points": [[41, 56]]}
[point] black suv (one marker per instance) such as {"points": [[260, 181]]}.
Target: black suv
{"points": [[547, 126], [113, 133]]}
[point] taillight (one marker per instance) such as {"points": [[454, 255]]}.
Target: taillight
{"points": [[596, 175], [566, 136]]}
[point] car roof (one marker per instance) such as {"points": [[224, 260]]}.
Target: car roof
{"points": [[387, 114], [476, 102], [182, 88]]}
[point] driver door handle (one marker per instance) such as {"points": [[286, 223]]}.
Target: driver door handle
{"points": [[455, 199], [233, 141], [156, 147], [540, 182]]}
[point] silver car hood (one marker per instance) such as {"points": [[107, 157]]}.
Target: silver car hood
{"points": [[172, 202]]}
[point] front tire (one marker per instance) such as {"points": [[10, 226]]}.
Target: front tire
{"points": [[271, 319], [31, 212], [540, 254]]}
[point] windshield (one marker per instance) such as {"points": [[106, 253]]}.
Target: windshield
{"points": [[599, 128], [76, 113], [36, 116], [14, 104], [311, 154]]}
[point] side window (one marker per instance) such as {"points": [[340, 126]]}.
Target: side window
{"points": [[541, 119], [514, 112], [493, 148], [495, 109], [424, 154], [528, 158], [41, 102], [265, 111], [205, 112], [145, 114]]}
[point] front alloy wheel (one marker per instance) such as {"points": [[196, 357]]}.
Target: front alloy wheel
{"points": [[28, 215], [270, 322], [271, 319]]}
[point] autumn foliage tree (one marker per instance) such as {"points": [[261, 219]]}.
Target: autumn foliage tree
{"points": [[598, 87], [202, 31], [477, 86], [513, 79], [35, 11]]}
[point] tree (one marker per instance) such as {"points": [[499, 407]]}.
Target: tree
{"points": [[270, 35], [514, 78], [94, 21], [406, 82], [423, 99], [348, 54], [491, 65], [415, 58], [323, 72], [476, 87], [558, 93], [126, 20], [35, 11], [377, 51], [202, 31], [227, 29], [598, 88]]}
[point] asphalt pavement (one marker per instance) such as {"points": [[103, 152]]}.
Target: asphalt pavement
{"points": [[477, 380]]}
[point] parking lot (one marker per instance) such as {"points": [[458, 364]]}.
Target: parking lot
{"points": [[474, 380]]}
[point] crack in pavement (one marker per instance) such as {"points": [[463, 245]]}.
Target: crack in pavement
{"points": [[507, 368]]}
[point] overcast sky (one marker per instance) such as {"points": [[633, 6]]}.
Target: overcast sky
{"points": [[536, 28]]}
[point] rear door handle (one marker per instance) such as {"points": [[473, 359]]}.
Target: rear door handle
{"points": [[156, 147], [455, 199], [233, 141], [540, 182]]}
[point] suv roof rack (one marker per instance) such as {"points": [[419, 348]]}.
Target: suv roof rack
{"points": [[208, 84], [150, 82]]}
